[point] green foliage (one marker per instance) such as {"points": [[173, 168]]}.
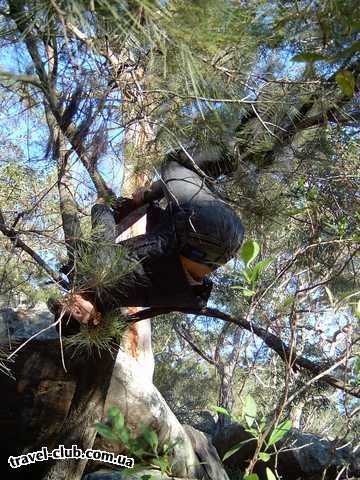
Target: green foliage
{"points": [[269, 474], [308, 57], [250, 410], [249, 251], [264, 457], [21, 187], [256, 427], [144, 448], [93, 339], [99, 265], [190, 71], [279, 432], [346, 81]]}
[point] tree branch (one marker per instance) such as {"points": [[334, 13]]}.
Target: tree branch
{"points": [[271, 340], [18, 243], [188, 338], [47, 85]]}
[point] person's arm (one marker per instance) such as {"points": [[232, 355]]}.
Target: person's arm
{"points": [[102, 246], [103, 222]]}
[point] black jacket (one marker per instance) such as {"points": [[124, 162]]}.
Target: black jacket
{"points": [[144, 270]]}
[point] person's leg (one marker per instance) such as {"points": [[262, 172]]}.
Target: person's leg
{"points": [[183, 186], [187, 172], [103, 223], [99, 253], [209, 231]]}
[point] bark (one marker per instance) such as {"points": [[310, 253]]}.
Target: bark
{"points": [[131, 387], [85, 396], [47, 406]]}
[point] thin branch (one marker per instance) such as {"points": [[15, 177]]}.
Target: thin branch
{"points": [[32, 79], [188, 338], [264, 124], [18, 243], [271, 340], [171, 93]]}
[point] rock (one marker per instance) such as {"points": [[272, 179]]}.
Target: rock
{"points": [[314, 455], [207, 454], [307, 456], [23, 323], [117, 475]]}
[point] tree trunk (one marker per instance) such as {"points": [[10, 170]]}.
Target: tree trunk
{"points": [[63, 408], [47, 406], [131, 388]]}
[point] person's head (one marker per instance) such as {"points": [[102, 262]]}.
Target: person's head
{"points": [[77, 306]]}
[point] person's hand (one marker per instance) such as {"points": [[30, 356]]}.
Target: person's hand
{"points": [[83, 311], [138, 196]]}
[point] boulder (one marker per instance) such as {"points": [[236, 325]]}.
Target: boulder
{"points": [[20, 323], [305, 456], [104, 474]]}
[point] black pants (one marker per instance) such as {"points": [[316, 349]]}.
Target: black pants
{"points": [[208, 231]]}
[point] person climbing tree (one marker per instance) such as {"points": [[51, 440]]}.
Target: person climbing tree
{"points": [[167, 266]]}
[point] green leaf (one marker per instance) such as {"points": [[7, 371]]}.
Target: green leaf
{"points": [[265, 457], [221, 410], [113, 412], [124, 436], [357, 310], [249, 410], [117, 418], [262, 425], [247, 273], [119, 422], [279, 432], [269, 474], [357, 370], [260, 267], [160, 462], [254, 432], [248, 293], [233, 450], [252, 476], [106, 432], [309, 57], [346, 81], [151, 438], [139, 452], [249, 251]]}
